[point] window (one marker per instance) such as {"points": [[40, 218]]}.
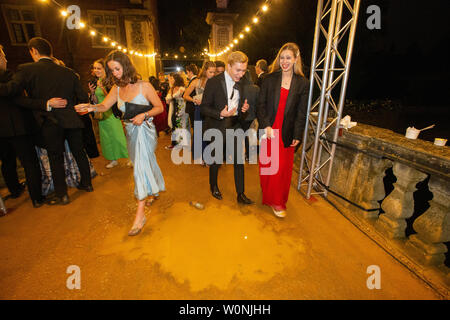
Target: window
{"points": [[22, 23], [223, 37], [107, 24]]}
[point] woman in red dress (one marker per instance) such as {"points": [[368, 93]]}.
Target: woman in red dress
{"points": [[281, 112]]}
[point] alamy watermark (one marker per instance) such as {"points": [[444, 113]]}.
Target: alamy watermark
{"points": [[74, 17], [233, 152], [74, 280], [374, 281], [374, 20]]}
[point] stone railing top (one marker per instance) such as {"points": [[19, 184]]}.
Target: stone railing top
{"points": [[423, 155]]}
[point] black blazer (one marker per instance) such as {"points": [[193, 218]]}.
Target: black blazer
{"points": [[44, 80], [14, 120], [251, 93], [296, 106], [260, 79], [215, 98]]}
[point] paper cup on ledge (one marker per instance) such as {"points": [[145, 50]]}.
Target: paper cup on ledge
{"points": [[412, 133], [440, 142]]}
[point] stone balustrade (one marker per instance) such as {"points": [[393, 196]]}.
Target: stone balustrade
{"points": [[363, 155]]}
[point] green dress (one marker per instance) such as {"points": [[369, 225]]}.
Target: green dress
{"points": [[112, 137]]}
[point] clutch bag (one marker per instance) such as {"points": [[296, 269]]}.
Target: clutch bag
{"points": [[198, 97], [133, 109]]}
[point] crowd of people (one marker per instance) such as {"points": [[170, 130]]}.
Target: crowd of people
{"points": [[46, 121]]}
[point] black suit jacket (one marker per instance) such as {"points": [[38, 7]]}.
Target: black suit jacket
{"points": [[215, 98], [42, 81], [14, 120], [260, 79], [296, 106], [250, 93]]}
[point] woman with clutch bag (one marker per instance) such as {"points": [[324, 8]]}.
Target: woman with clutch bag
{"points": [[112, 137], [141, 133], [195, 90]]}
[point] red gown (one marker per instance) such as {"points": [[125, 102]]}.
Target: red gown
{"points": [[275, 187], [160, 121]]}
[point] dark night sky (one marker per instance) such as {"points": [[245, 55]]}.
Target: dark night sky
{"points": [[405, 59]]}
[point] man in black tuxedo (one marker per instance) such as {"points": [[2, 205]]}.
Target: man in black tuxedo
{"points": [[223, 105], [16, 130], [43, 80], [250, 93], [261, 71]]}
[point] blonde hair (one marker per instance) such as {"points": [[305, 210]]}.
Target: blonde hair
{"points": [[205, 67], [237, 57], [298, 65]]}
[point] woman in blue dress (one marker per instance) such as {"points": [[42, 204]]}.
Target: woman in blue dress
{"points": [[141, 133]]}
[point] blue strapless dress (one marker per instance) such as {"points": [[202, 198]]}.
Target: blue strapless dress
{"points": [[141, 143]]}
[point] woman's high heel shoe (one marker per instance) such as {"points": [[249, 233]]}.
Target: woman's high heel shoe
{"points": [[135, 230]]}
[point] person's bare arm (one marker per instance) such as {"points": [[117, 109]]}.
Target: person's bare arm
{"points": [[106, 104], [187, 93]]}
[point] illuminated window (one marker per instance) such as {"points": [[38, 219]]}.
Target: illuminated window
{"points": [[22, 23], [106, 23], [223, 37]]}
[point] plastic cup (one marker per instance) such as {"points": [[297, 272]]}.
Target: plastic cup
{"points": [[440, 142], [412, 133]]}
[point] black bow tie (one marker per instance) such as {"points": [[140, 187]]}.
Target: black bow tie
{"points": [[235, 87]]}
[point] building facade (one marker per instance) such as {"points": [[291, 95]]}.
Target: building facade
{"points": [[130, 23]]}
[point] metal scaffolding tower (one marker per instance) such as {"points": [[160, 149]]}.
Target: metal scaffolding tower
{"points": [[328, 70]]}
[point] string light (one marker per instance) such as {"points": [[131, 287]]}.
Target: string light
{"points": [[255, 20], [94, 32]]}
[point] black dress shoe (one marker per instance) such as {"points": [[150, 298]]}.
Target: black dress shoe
{"points": [[37, 203], [216, 193], [241, 198], [86, 188], [59, 200], [19, 192]]}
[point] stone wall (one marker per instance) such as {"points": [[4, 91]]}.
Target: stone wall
{"points": [[363, 155]]}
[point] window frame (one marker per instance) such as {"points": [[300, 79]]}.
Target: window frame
{"points": [[9, 23], [103, 13]]}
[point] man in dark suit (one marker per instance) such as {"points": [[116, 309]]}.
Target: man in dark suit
{"points": [[16, 129], [261, 71], [57, 122], [250, 93], [191, 71], [224, 107]]}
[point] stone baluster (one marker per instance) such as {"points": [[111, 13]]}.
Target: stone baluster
{"points": [[374, 186], [399, 205], [433, 227]]}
